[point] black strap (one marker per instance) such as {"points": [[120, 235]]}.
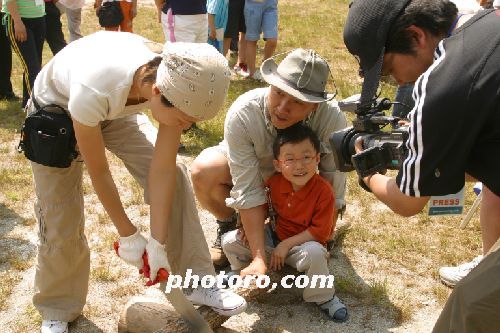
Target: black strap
{"points": [[37, 106]]}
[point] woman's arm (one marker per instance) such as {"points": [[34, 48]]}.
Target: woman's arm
{"points": [[162, 174], [91, 146]]}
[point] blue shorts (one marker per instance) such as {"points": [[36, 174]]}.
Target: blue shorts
{"points": [[261, 16]]}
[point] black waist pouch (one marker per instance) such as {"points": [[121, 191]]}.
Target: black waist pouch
{"points": [[48, 138]]}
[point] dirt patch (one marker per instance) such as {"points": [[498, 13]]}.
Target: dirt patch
{"points": [[366, 283]]}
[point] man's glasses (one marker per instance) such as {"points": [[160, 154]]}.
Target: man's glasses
{"points": [[306, 160]]}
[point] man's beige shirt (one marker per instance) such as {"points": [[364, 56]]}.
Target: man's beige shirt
{"points": [[248, 141]]}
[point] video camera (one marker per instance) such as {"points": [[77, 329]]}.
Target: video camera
{"points": [[382, 149]]}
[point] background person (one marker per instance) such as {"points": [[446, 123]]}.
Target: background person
{"points": [[118, 76], [230, 177], [261, 16], [54, 34], [6, 91], [304, 204], [183, 20], [235, 33], [25, 24], [129, 11], [217, 20], [73, 10], [456, 87]]}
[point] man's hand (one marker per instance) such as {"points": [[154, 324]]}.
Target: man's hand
{"points": [[278, 256], [256, 267], [157, 257], [131, 249]]}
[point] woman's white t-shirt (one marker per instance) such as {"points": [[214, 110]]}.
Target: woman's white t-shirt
{"points": [[92, 76]]}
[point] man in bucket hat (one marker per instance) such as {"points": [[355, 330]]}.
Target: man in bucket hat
{"points": [[455, 63], [230, 177]]}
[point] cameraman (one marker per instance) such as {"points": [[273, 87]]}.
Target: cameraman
{"points": [[455, 63]]}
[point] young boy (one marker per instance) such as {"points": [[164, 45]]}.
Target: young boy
{"points": [[304, 203]]}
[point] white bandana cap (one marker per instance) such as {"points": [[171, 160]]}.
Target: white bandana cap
{"points": [[194, 77]]}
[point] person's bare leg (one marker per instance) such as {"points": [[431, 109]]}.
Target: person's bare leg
{"points": [[212, 182], [242, 49], [251, 54], [226, 45], [490, 218], [270, 48]]}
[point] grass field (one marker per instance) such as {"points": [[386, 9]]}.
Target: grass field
{"points": [[396, 258]]}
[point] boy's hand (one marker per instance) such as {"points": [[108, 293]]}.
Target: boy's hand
{"points": [[278, 256], [256, 267]]}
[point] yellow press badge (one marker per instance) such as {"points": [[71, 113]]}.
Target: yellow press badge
{"points": [[451, 204]]}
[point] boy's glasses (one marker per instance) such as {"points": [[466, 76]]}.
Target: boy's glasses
{"points": [[293, 161]]}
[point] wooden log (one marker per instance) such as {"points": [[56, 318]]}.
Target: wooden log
{"points": [[147, 315]]}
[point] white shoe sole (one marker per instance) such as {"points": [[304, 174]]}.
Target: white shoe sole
{"points": [[227, 312]]}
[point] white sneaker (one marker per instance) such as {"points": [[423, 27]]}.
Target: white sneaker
{"points": [[243, 73], [240, 68], [450, 276], [257, 75], [54, 326], [224, 302]]}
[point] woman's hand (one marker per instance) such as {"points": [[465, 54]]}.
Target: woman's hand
{"points": [[157, 257], [132, 248]]}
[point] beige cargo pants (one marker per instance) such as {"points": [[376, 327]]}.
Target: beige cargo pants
{"points": [[309, 257], [62, 272]]}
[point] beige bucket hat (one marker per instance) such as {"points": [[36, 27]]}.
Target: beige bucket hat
{"points": [[194, 77], [302, 74]]}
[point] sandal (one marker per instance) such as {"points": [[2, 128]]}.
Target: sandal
{"points": [[335, 309]]}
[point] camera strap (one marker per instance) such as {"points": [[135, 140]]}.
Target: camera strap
{"points": [[272, 216], [270, 209]]}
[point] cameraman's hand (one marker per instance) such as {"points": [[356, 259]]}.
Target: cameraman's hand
{"points": [[131, 249], [358, 145]]}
